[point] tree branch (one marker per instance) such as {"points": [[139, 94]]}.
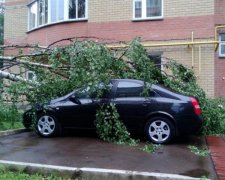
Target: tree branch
{"points": [[11, 76]]}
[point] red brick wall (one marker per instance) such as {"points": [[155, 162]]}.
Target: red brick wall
{"points": [[219, 77], [219, 62], [219, 12], [167, 29]]}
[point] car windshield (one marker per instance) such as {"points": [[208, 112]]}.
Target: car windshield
{"points": [[70, 94], [100, 90]]}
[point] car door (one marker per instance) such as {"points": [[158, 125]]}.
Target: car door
{"points": [[131, 104], [82, 114], [78, 115]]}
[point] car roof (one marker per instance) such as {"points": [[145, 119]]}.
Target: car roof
{"points": [[129, 80]]}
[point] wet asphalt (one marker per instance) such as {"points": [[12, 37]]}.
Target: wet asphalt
{"points": [[86, 150]]}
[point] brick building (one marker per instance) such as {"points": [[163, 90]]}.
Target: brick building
{"points": [[188, 31]]}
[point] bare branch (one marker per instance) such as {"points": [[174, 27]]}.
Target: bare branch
{"points": [[23, 46], [11, 76], [24, 60]]}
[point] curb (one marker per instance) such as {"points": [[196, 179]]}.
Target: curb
{"points": [[11, 132], [89, 173]]}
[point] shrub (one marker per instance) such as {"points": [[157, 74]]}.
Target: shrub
{"points": [[10, 117], [213, 111]]}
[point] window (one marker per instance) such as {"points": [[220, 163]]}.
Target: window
{"points": [[156, 59], [129, 89], [138, 9], [222, 45], [43, 12], [148, 9], [101, 91], [57, 10], [77, 9], [30, 75], [33, 15]]}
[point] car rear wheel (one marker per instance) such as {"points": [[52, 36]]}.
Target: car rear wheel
{"points": [[160, 130], [47, 125]]}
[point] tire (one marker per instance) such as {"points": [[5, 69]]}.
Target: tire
{"points": [[47, 125], [159, 130], [27, 120], [27, 123]]}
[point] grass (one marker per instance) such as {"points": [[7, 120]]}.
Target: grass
{"points": [[8, 125], [7, 174], [150, 148], [199, 151], [10, 175], [10, 117]]}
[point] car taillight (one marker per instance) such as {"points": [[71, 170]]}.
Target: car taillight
{"points": [[196, 106]]}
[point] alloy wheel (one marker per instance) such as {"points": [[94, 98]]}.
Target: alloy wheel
{"points": [[159, 131], [46, 125]]}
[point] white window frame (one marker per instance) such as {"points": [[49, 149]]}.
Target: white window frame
{"points": [[77, 10], [144, 11], [43, 17], [29, 15], [222, 43], [27, 75], [65, 19]]}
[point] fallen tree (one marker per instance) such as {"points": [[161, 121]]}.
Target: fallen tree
{"points": [[81, 63]]}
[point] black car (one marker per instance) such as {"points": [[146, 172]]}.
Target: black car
{"points": [[161, 115]]}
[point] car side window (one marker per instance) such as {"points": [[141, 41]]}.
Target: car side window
{"points": [[102, 92], [129, 89]]}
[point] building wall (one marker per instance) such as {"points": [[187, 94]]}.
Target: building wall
{"points": [[177, 8], [120, 10], [203, 62], [168, 29], [219, 61], [219, 76], [15, 26], [113, 20], [108, 10], [219, 12]]}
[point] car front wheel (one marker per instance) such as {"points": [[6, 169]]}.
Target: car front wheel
{"points": [[159, 130], [47, 125]]}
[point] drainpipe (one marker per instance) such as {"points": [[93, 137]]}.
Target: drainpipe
{"points": [[188, 43], [192, 50], [200, 59]]}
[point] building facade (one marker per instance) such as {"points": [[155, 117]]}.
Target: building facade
{"points": [[188, 31]]}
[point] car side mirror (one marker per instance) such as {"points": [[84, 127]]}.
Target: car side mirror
{"points": [[74, 99]]}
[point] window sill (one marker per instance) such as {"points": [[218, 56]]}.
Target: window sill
{"points": [[55, 23], [222, 56], [148, 19]]}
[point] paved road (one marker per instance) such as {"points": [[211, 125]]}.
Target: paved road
{"points": [[89, 151]]}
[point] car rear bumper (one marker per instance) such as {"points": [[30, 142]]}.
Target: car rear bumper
{"points": [[189, 124]]}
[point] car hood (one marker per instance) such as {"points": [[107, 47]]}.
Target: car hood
{"points": [[53, 101]]}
